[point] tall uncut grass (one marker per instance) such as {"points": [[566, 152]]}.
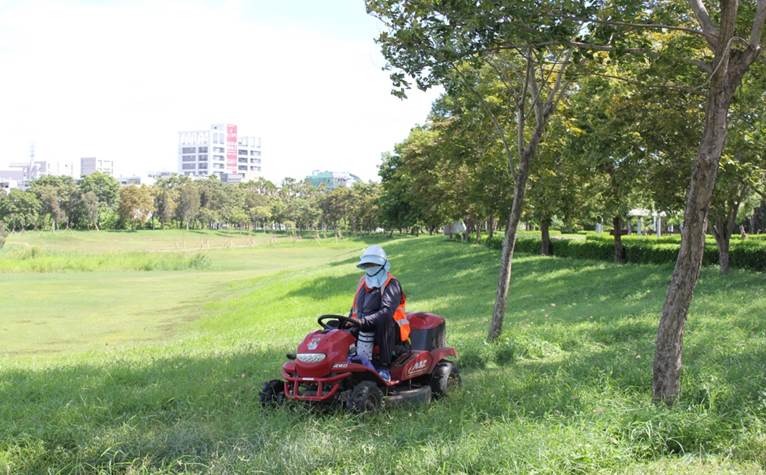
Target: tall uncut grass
{"points": [[35, 260]]}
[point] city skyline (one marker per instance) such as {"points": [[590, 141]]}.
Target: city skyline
{"points": [[306, 78]]}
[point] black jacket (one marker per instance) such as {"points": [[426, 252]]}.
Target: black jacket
{"points": [[376, 314]]}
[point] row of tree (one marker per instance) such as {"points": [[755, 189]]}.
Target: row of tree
{"points": [[612, 146], [592, 106], [98, 202]]}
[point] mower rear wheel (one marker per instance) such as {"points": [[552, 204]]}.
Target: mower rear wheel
{"points": [[273, 393], [365, 397], [444, 379]]}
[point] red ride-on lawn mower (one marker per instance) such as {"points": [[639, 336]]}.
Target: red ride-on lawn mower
{"points": [[324, 370]]}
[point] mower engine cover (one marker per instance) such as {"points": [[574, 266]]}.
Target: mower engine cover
{"points": [[320, 350]]}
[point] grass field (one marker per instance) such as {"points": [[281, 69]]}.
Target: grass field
{"points": [[80, 291], [175, 390]]}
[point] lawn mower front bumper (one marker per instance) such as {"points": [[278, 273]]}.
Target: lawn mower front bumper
{"points": [[301, 388]]}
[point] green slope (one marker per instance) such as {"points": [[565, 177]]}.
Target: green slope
{"points": [[568, 389]]}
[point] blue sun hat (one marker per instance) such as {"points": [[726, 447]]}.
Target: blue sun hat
{"points": [[372, 255]]}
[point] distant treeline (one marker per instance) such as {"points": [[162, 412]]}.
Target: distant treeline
{"points": [[99, 202]]}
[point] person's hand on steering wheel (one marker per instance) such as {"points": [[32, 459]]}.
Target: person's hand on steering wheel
{"points": [[349, 324]]}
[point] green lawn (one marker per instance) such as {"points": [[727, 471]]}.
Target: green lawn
{"points": [[84, 291], [567, 390]]}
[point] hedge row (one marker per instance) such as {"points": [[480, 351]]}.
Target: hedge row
{"points": [[669, 238], [745, 255]]}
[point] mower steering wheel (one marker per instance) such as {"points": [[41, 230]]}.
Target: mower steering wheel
{"points": [[341, 321]]}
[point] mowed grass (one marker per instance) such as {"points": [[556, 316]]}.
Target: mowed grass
{"points": [[84, 291], [566, 391], [140, 251]]}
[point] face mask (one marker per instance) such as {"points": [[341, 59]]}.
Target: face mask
{"points": [[375, 277], [373, 271]]}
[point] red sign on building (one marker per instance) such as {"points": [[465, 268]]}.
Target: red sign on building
{"points": [[231, 148]]}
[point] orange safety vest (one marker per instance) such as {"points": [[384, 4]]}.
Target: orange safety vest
{"points": [[400, 316]]}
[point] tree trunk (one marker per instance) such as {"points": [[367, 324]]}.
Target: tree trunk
{"points": [[468, 229], [669, 343], [506, 258], [757, 221], [723, 255], [619, 251], [490, 227], [729, 65], [545, 247], [725, 223], [526, 151]]}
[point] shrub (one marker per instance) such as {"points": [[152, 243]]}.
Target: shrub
{"points": [[628, 238], [749, 255], [583, 250], [526, 245], [496, 242]]}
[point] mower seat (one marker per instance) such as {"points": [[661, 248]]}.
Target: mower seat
{"points": [[428, 331], [399, 350]]}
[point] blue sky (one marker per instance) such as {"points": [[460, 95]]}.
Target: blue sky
{"points": [[118, 80]]}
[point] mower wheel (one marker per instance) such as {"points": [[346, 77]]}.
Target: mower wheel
{"points": [[273, 393], [365, 397], [445, 378]]}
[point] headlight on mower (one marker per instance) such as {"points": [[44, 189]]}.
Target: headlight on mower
{"points": [[311, 357]]}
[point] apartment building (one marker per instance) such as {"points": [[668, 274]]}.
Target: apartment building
{"points": [[220, 151], [19, 175], [90, 165]]}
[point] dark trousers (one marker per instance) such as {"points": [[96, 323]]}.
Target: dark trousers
{"points": [[386, 332]]}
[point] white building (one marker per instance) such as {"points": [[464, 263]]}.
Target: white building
{"points": [[12, 179], [90, 165], [219, 151], [45, 167], [25, 172], [8, 184]]}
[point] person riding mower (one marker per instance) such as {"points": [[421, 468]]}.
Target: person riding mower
{"points": [[378, 354], [378, 307]]}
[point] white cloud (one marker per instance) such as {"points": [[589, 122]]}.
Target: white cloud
{"points": [[119, 80]]}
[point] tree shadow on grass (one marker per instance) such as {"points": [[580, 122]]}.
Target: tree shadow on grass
{"points": [[577, 303], [459, 282]]}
